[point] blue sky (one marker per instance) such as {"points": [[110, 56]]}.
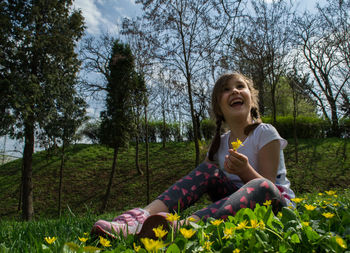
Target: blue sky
{"points": [[104, 16]]}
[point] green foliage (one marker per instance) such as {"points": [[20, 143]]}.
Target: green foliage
{"points": [[319, 223], [208, 128], [117, 122], [306, 127]]}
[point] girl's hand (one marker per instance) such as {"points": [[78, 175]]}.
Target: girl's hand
{"points": [[238, 164]]}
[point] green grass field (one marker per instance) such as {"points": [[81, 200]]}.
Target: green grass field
{"points": [[323, 165]]}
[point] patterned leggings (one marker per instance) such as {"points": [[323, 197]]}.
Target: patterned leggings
{"points": [[227, 198]]}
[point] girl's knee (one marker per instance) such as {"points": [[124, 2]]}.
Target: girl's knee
{"points": [[262, 184]]}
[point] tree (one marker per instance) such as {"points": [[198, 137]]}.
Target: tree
{"points": [[38, 56], [261, 47], [117, 121], [184, 33], [323, 39]]}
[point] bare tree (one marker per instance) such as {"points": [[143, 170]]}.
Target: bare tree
{"points": [[262, 44], [183, 33], [326, 54]]}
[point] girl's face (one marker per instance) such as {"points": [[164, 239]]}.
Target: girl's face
{"points": [[236, 99]]}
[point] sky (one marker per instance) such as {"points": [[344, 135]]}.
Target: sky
{"points": [[104, 16]]}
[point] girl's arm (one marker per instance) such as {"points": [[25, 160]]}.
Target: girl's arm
{"points": [[268, 160]]}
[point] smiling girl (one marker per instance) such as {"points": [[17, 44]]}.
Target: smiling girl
{"points": [[253, 174]]}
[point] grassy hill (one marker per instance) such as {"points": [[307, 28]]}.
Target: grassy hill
{"points": [[322, 165]]}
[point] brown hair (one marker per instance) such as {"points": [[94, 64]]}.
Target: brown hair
{"points": [[217, 113]]}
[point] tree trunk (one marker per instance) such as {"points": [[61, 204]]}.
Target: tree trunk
{"points": [[61, 180], [194, 123], [137, 143], [147, 158], [295, 104], [164, 125], [27, 197], [109, 187]]}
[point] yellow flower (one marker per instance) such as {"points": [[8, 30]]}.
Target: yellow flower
{"points": [[236, 144], [328, 215], [172, 217], [262, 225], [50, 240], [86, 234], [217, 222], [207, 245], [330, 193], [340, 242], [310, 207], [279, 215], [187, 233], [297, 200], [236, 251], [105, 242], [305, 223], [136, 248], [335, 204], [83, 239], [267, 203], [228, 232], [242, 225], [159, 232], [152, 245], [191, 219], [254, 224], [320, 194]]}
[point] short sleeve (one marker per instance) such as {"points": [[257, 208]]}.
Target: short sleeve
{"points": [[267, 133]]}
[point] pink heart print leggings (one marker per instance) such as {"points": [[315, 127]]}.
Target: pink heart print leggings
{"points": [[226, 196]]}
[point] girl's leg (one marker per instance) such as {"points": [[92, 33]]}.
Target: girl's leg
{"points": [[206, 178], [255, 191]]}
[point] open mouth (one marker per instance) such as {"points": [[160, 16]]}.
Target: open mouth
{"points": [[236, 102]]}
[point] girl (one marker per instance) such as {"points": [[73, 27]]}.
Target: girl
{"points": [[234, 179]]}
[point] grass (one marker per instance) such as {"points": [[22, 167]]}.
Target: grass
{"points": [[322, 165]]}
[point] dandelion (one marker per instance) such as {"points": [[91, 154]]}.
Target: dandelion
{"points": [[105, 242], [136, 248], [328, 215], [172, 217], [159, 232], [297, 200], [228, 232], [50, 240], [236, 144], [242, 225], [83, 239], [187, 233], [310, 207], [207, 245], [267, 203], [330, 193], [152, 245], [236, 251], [340, 242], [217, 222]]}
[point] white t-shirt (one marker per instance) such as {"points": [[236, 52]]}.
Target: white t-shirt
{"points": [[257, 139]]}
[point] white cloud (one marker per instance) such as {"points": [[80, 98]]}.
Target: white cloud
{"points": [[95, 20]]}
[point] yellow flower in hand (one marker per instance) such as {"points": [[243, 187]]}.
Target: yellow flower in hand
{"points": [[236, 144], [50, 240]]}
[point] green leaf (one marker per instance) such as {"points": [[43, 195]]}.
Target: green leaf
{"points": [[173, 248], [295, 238], [311, 234]]}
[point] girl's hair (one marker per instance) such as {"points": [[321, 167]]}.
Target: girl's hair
{"points": [[217, 113]]}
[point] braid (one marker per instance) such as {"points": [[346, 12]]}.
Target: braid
{"points": [[215, 144], [254, 112]]}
